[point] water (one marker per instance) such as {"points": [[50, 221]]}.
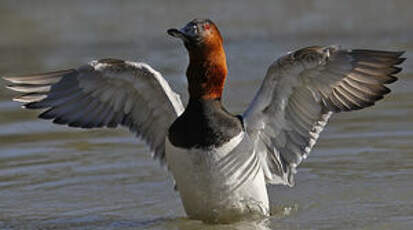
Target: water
{"points": [[359, 176]]}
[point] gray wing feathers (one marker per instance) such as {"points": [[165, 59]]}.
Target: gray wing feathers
{"points": [[300, 92], [105, 93]]}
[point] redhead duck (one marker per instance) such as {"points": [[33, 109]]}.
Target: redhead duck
{"points": [[221, 162]]}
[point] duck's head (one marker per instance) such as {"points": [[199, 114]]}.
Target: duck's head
{"points": [[198, 33], [207, 62]]}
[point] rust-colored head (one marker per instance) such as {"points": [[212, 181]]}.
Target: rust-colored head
{"points": [[207, 62]]}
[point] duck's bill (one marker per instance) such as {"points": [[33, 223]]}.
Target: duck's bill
{"points": [[177, 33]]}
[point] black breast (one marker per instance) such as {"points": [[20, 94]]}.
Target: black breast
{"points": [[204, 124]]}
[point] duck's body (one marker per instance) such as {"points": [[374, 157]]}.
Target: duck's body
{"points": [[213, 162], [219, 184], [221, 163]]}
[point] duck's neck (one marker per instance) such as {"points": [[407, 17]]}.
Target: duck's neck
{"points": [[206, 72]]}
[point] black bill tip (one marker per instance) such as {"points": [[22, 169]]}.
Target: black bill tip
{"points": [[175, 33]]}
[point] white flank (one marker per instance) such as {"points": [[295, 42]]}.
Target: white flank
{"points": [[219, 184]]}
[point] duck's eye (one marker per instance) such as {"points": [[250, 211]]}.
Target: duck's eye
{"points": [[206, 27]]}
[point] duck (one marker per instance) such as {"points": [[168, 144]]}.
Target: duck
{"points": [[221, 163]]}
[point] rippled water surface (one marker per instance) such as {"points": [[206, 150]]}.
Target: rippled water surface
{"points": [[359, 176]]}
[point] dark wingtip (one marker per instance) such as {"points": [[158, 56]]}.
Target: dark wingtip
{"points": [[400, 61], [60, 121], [32, 105], [385, 91], [46, 115], [400, 53], [391, 80], [396, 70]]}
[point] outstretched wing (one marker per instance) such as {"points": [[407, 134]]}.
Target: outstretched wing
{"points": [[105, 93], [300, 92]]}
